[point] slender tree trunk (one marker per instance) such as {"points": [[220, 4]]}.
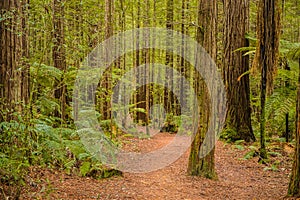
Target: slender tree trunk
{"points": [[168, 97], [238, 117], [204, 165], [294, 186], [134, 63], [139, 95], [107, 76], [59, 56], [154, 98], [182, 63], [14, 70], [147, 63], [122, 24], [267, 52]]}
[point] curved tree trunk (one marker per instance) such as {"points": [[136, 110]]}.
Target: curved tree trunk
{"points": [[238, 117]]}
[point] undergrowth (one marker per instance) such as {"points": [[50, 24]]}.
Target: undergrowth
{"points": [[36, 143]]}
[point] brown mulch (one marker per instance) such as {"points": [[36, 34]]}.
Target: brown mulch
{"points": [[237, 179]]}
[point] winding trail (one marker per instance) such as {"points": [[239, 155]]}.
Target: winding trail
{"points": [[238, 179]]}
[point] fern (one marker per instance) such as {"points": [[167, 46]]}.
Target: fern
{"points": [[45, 75], [282, 101], [248, 50]]}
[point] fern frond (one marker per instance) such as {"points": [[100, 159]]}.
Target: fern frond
{"points": [[285, 106], [247, 49], [294, 53]]}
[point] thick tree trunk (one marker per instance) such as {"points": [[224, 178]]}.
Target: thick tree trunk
{"points": [[238, 117], [14, 70], [268, 30], [294, 186], [204, 165]]}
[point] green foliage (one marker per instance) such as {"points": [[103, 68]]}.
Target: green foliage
{"points": [[273, 167], [24, 144], [253, 151], [239, 147], [249, 155], [171, 123], [239, 144], [85, 168], [228, 134], [43, 102], [45, 140], [248, 50], [282, 101], [283, 98]]}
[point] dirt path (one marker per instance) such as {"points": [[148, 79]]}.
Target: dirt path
{"points": [[238, 179]]}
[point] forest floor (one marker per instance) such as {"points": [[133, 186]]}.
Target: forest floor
{"points": [[237, 179]]}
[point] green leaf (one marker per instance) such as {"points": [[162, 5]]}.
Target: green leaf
{"points": [[239, 142], [85, 168], [83, 156], [239, 147], [141, 110], [249, 155]]}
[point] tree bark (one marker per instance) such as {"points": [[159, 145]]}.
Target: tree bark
{"points": [[168, 98], [204, 165], [147, 63], [294, 185], [238, 117], [14, 69], [59, 57], [108, 76], [267, 53]]}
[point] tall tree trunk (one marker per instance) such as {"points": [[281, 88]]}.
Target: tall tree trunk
{"points": [[238, 117], [267, 52], [59, 56], [182, 63], [168, 97], [139, 96], [108, 77], [14, 70], [294, 186], [122, 24], [147, 63], [207, 20]]}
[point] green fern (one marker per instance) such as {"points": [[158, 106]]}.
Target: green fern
{"points": [[282, 101]]}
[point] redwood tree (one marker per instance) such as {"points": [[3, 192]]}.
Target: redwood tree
{"points": [[294, 186], [59, 56], [105, 85], [204, 165], [238, 117], [14, 70], [168, 99], [267, 53]]}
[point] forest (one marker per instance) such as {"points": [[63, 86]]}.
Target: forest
{"points": [[152, 99]]}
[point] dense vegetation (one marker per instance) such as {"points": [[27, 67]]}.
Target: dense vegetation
{"points": [[44, 42]]}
